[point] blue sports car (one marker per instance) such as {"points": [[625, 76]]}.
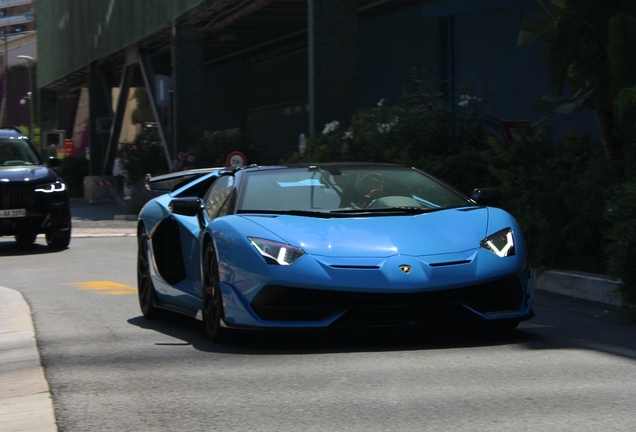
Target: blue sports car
{"points": [[329, 246]]}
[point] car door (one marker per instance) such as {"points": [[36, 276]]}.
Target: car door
{"points": [[215, 203], [187, 213]]}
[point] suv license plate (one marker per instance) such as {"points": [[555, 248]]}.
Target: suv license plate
{"points": [[12, 213]]}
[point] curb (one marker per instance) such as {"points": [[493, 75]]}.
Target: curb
{"points": [[103, 232], [126, 217], [25, 399], [587, 286]]}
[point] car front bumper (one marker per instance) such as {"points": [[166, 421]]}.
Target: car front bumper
{"points": [[41, 218], [462, 293]]}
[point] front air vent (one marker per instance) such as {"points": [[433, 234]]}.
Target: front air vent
{"points": [[450, 263], [355, 267], [168, 258], [279, 303]]}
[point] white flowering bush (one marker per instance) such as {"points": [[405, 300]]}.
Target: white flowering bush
{"points": [[422, 128], [330, 127], [466, 101]]}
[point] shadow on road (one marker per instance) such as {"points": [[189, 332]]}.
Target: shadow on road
{"points": [[12, 248], [260, 342], [568, 323]]}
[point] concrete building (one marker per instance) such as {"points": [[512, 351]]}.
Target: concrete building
{"points": [[17, 32], [276, 69]]}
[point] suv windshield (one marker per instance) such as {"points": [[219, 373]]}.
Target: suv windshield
{"points": [[16, 151], [343, 189]]}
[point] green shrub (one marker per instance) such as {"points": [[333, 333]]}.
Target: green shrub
{"points": [[143, 156], [557, 193], [422, 129]]}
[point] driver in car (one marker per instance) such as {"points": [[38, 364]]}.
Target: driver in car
{"points": [[369, 187]]}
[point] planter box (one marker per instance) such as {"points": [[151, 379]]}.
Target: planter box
{"points": [[97, 188]]}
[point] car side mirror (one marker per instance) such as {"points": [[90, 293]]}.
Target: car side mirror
{"points": [[486, 196], [185, 206], [53, 162]]}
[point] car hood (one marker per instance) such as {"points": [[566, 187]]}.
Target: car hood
{"points": [[440, 232], [36, 174]]}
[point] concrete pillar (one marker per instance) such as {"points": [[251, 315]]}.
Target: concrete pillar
{"points": [[100, 116], [333, 62], [189, 89], [48, 117]]}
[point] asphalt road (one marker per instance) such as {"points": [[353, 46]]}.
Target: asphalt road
{"points": [[572, 368]]}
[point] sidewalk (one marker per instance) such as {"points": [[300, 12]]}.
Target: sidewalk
{"points": [[25, 401], [101, 219]]}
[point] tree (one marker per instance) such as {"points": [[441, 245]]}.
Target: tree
{"points": [[143, 111], [588, 45]]}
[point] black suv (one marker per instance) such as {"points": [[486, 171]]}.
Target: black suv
{"points": [[33, 198]]}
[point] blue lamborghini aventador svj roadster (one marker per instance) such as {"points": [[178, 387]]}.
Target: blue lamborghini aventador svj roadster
{"points": [[329, 246]]}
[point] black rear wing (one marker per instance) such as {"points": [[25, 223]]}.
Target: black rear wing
{"points": [[169, 182]]}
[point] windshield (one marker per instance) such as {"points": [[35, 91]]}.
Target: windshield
{"points": [[344, 189], [16, 151]]}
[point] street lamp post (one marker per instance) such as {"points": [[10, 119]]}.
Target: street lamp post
{"points": [[4, 78], [31, 94]]}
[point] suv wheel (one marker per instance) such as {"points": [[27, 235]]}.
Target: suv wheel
{"points": [[59, 239]]}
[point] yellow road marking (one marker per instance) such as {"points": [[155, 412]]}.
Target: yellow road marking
{"points": [[105, 287]]}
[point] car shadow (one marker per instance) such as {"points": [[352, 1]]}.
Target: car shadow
{"points": [[260, 342], [564, 322], [12, 248]]}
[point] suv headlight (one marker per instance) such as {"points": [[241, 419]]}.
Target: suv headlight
{"points": [[275, 252], [501, 243], [58, 186]]}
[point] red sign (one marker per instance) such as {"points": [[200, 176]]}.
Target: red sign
{"points": [[236, 159], [69, 147]]}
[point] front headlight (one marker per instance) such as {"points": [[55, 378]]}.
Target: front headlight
{"points": [[58, 186], [275, 252], [501, 243]]}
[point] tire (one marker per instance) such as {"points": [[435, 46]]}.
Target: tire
{"points": [[59, 239], [24, 239], [212, 298], [145, 287]]}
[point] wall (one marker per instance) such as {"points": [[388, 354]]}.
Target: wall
{"points": [[73, 33], [268, 99], [389, 48], [474, 40]]}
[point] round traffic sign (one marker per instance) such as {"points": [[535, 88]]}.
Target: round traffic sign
{"points": [[236, 159]]}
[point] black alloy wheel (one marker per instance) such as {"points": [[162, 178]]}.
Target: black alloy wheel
{"points": [[59, 239], [145, 287], [212, 297]]}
